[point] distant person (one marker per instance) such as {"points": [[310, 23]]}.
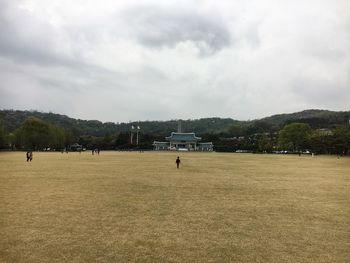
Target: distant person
{"points": [[98, 151], [177, 162], [29, 156], [93, 151]]}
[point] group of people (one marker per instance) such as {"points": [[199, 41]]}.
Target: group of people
{"points": [[97, 150], [29, 156]]}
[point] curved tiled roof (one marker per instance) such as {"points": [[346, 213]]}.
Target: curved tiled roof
{"points": [[180, 136]]}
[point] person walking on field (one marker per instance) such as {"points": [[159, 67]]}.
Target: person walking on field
{"points": [[29, 156], [177, 162]]}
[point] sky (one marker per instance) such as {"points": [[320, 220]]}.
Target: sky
{"points": [[133, 60]]}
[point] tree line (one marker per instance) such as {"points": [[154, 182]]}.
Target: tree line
{"points": [[295, 137], [35, 134], [13, 119]]}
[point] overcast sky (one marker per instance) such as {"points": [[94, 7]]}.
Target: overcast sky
{"points": [[158, 60]]}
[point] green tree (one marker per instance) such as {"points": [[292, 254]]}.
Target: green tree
{"points": [[123, 140], [35, 134], [68, 138], [341, 140], [294, 136], [11, 140], [59, 138], [2, 135], [236, 130], [319, 143], [265, 144]]}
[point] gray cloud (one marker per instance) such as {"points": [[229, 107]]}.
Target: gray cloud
{"points": [[240, 59], [20, 42], [322, 92], [156, 27]]}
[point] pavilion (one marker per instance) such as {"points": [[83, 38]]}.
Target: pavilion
{"points": [[183, 142]]}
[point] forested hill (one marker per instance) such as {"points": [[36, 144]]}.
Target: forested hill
{"points": [[12, 119], [315, 118]]}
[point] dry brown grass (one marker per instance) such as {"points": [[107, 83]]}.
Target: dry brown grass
{"points": [[137, 207]]}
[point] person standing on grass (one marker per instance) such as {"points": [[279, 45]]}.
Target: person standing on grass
{"points": [[177, 162]]}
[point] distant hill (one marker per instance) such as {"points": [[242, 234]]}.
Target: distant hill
{"points": [[315, 118], [12, 119]]}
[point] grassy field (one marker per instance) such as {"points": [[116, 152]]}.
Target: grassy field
{"points": [[137, 207]]}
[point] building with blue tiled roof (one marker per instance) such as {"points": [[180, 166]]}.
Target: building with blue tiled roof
{"points": [[183, 141]]}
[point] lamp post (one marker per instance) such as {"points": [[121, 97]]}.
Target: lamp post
{"points": [[137, 135], [132, 134]]}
